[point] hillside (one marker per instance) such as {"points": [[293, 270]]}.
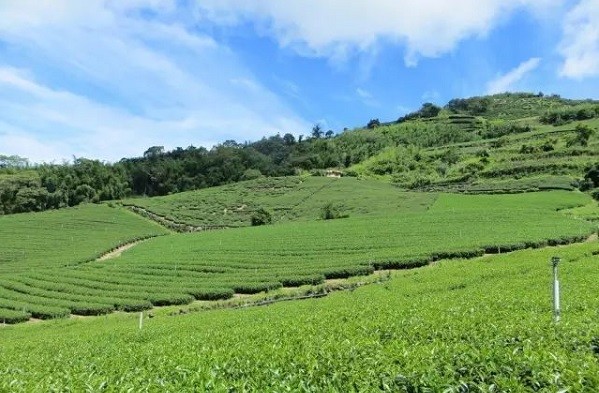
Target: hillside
{"points": [[68, 236], [285, 198], [543, 141]]}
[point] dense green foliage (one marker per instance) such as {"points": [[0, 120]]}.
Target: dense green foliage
{"points": [[477, 325], [549, 153], [67, 236], [570, 114]]}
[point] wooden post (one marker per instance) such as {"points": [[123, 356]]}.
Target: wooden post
{"points": [[141, 320]]}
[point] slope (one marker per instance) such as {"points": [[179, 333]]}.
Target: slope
{"points": [[33, 241], [287, 198], [179, 268], [476, 325]]}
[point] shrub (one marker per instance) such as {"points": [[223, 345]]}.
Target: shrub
{"points": [[401, 264], [251, 288], [582, 136], [297, 281], [251, 174], [331, 211], [213, 293], [261, 217], [168, 299], [91, 309], [373, 123], [345, 272]]}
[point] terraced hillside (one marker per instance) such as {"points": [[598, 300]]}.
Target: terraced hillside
{"points": [[181, 268], [529, 156]]}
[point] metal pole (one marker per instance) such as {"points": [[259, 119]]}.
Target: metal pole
{"points": [[556, 311]]}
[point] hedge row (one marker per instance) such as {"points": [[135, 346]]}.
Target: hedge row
{"points": [[48, 290], [13, 316], [402, 264], [157, 296], [251, 288], [313, 279], [346, 272], [38, 311]]}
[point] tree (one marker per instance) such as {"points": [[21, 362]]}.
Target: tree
{"points": [[583, 134], [429, 110], [373, 123], [592, 176], [331, 211], [329, 134], [288, 139], [154, 152], [13, 161], [261, 217], [317, 131]]}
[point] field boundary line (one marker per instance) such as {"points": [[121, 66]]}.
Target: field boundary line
{"points": [[309, 196]]}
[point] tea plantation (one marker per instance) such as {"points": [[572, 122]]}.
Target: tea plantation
{"points": [[473, 325], [181, 268], [468, 308], [67, 236], [287, 198]]}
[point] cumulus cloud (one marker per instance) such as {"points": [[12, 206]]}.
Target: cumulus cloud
{"points": [[504, 83], [106, 79], [338, 28], [580, 43]]}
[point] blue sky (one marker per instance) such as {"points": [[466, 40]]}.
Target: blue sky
{"points": [[107, 79]]}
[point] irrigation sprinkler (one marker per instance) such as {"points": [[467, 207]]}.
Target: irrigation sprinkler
{"points": [[556, 312]]}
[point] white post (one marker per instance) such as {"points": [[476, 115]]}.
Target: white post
{"points": [[141, 320], [556, 311]]}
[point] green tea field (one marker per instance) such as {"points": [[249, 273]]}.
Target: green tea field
{"points": [[182, 268], [456, 326], [288, 198], [68, 236]]}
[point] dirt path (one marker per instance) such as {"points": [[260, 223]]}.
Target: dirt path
{"points": [[119, 250]]}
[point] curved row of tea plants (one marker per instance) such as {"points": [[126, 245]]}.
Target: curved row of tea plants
{"points": [[475, 325], [67, 236]]}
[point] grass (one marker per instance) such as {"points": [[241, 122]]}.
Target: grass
{"points": [[211, 265], [476, 325], [66, 237]]}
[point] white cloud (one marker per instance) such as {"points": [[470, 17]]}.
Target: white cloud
{"points": [[338, 28], [103, 82], [580, 42], [506, 82], [366, 97], [363, 93]]}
